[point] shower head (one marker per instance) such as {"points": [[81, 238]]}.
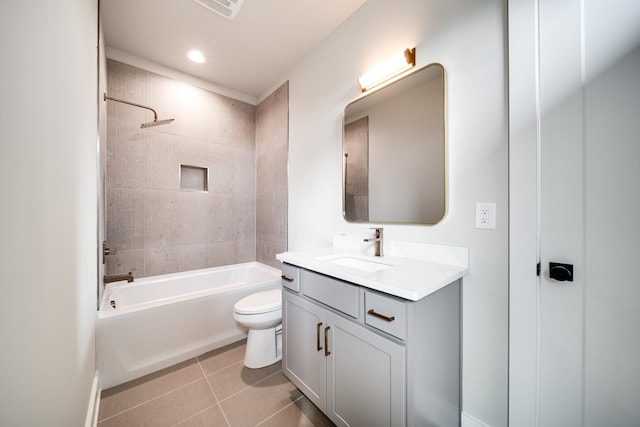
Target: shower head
{"points": [[155, 121]]}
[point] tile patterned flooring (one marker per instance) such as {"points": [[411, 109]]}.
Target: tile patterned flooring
{"points": [[214, 389]]}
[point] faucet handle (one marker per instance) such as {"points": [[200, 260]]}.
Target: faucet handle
{"points": [[379, 230]]}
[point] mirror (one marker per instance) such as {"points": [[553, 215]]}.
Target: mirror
{"points": [[394, 151]]}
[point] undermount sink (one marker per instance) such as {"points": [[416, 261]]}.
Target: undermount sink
{"points": [[359, 263]]}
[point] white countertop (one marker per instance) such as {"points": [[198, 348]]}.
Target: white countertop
{"points": [[412, 270]]}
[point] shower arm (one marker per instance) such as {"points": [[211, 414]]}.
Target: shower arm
{"points": [[155, 115]]}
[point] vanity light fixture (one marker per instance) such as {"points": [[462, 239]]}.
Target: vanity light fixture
{"points": [[196, 56], [388, 69]]}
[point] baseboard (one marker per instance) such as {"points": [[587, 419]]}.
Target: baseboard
{"points": [[94, 404], [469, 421]]}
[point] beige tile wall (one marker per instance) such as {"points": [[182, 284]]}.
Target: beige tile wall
{"points": [[153, 226], [272, 145]]}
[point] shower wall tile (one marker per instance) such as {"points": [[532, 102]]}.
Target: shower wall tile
{"points": [[219, 121], [280, 171], [260, 203], [272, 124], [244, 171], [221, 169], [221, 219], [245, 251], [234, 122], [261, 251], [154, 225], [244, 215], [272, 140], [125, 153], [160, 94], [274, 214], [193, 257], [124, 118], [126, 82], [271, 171], [238, 120], [267, 252], [125, 218], [264, 173], [193, 218], [268, 214], [125, 262], [194, 152], [162, 162], [161, 227], [222, 253], [161, 261], [281, 199], [199, 113]]}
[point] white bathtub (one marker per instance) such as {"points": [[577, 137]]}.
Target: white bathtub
{"points": [[162, 320]]}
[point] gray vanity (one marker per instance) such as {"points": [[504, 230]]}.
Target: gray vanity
{"points": [[375, 341]]}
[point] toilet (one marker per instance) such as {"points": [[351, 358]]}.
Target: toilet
{"points": [[262, 314]]}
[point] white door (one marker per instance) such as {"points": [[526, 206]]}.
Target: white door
{"points": [[575, 198]]}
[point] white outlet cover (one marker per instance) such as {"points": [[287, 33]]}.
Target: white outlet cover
{"points": [[485, 217]]}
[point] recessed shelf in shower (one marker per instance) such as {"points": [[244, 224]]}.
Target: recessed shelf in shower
{"points": [[194, 178]]}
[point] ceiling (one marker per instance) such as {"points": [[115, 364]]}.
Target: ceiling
{"points": [[248, 54]]}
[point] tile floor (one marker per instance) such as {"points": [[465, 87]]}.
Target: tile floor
{"points": [[214, 389]]}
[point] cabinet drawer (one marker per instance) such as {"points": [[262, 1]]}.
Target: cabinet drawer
{"points": [[386, 314], [335, 293], [291, 277]]}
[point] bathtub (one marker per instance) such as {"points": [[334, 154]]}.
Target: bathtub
{"points": [[158, 321]]}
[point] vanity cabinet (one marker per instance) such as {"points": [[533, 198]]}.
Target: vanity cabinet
{"points": [[366, 358], [353, 375]]}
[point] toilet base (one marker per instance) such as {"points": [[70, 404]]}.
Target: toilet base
{"points": [[264, 347]]}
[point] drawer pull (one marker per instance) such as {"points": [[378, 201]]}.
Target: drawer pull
{"points": [[288, 279], [319, 347], [381, 316], [326, 341]]}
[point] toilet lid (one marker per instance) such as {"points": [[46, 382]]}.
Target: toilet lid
{"points": [[260, 302]]}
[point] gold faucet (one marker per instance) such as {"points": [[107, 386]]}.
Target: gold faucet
{"points": [[378, 239], [127, 277]]}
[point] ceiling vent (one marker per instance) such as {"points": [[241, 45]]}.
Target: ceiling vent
{"points": [[227, 8]]}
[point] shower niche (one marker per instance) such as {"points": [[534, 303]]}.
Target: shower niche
{"points": [[194, 178]]}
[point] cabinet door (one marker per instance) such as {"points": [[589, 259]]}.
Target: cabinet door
{"points": [[365, 377], [303, 359]]}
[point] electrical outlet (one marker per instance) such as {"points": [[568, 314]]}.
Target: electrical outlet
{"points": [[486, 216]]}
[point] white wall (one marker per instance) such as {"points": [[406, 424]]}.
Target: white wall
{"points": [[48, 135], [468, 39]]}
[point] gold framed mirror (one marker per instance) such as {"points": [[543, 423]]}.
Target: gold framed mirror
{"points": [[394, 151]]}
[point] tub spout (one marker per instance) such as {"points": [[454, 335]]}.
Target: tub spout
{"points": [[127, 277]]}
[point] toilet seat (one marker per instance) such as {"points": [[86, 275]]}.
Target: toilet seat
{"points": [[260, 302]]}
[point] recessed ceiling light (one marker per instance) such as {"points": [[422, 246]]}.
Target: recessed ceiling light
{"points": [[196, 56]]}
